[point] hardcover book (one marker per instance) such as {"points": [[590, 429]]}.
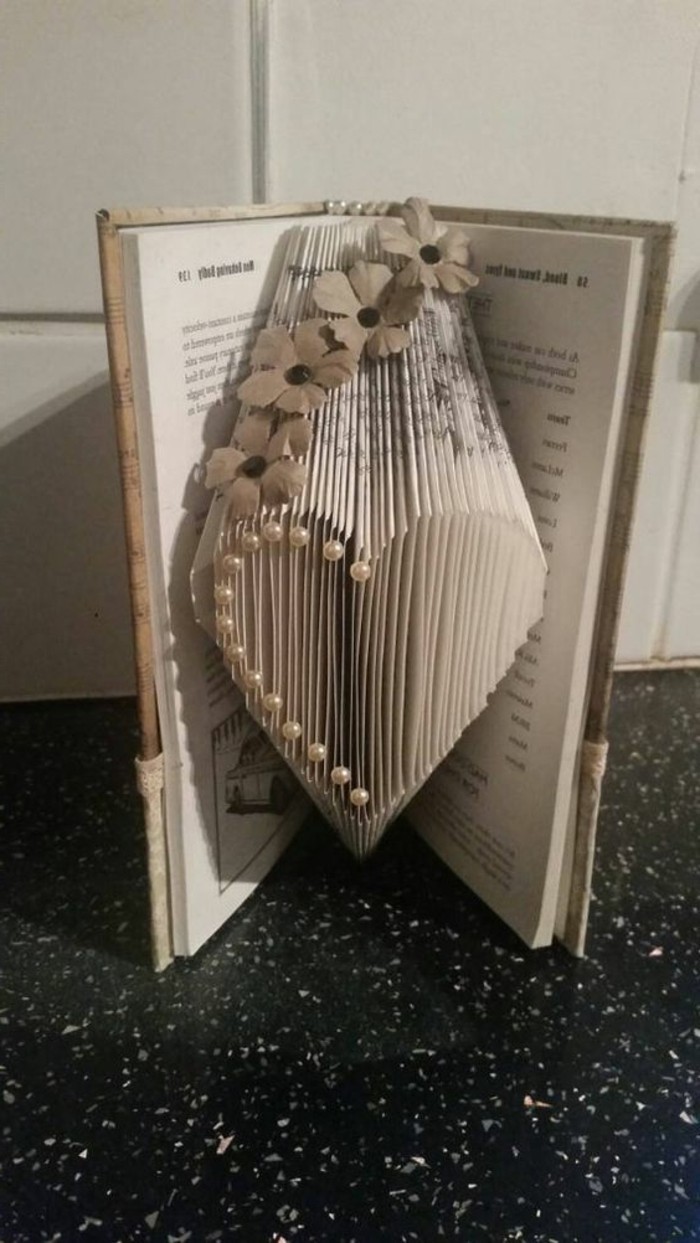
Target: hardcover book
{"points": [[424, 573]]}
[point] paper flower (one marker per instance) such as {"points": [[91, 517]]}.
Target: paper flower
{"points": [[436, 257], [372, 306], [261, 469], [296, 371]]}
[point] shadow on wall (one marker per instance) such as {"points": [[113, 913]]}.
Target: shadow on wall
{"points": [[65, 606]]}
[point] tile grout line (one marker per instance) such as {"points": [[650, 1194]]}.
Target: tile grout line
{"points": [[260, 95], [40, 325]]}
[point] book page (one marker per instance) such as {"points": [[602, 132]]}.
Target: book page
{"points": [[196, 297], [555, 315]]}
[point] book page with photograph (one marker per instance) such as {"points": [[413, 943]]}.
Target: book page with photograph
{"points": [[195, 297]]}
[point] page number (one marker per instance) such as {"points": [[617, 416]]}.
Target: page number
{"points": [[185, 275], [582, 281]]}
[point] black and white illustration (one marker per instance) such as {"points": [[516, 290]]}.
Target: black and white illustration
{"points": [[253, 788]]}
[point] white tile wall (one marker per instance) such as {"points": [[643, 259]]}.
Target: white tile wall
{"points": [[661, 507], [579, 106], [684, 301], [567, 105], [679, 634], [113, 102]]}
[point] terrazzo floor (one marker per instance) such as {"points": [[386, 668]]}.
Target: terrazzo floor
{"points": [[349, 1059]]}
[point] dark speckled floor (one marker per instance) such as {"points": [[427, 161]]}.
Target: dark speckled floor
{"points": [[348, 1060]]}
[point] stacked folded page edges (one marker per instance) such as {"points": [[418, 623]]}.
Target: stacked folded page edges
{"points": [[376, 564]]}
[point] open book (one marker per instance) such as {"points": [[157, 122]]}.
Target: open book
{"points": [[567, 313]]}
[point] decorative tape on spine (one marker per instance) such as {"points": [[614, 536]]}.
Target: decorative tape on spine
{"points": [[594, 756], [150, 779]]}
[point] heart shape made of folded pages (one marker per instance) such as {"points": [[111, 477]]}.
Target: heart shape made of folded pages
{"points": [[368, 618]]}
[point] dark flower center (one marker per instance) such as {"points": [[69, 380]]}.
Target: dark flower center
{"points": [[368, 317], [253, 467], [298, 374], [430, 254]]}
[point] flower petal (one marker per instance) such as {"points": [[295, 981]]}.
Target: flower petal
{"points": [[222, 466], [455, 279], [401, 304], [243, 496], [293, 436], [394, 238], [301, 398], [274, 348], [419, 220], [309, 341], [333, 292], [282, 481], [349, 333], [387, 340], [453, 245], [417, 273], [335, 369], [262, 388], [253, 434], [369, 281]]}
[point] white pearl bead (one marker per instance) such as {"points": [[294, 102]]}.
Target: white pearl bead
{"points": [[223, 594], [355, 208], [359, 797], [316, 752], [235, 653], [360, 571], [272, 532], [333, 550], [340, 776], [232, 563], [272, 702], [252, 678], [250, 542], [225, 625], [291, 730], [299, 537]]}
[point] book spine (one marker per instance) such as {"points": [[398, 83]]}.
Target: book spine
{"points": [[127, 447], [123, 217], [660, 251], [594, 749], [149, 764], [590, 782]]}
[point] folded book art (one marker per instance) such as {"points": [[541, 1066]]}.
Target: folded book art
{"points": [[376, 563], [390, 453]]}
